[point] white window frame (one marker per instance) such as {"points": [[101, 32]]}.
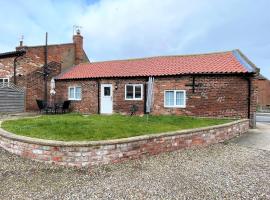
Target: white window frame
{"points": [[3, 81], [134, 98], [74, 99], [174, 99]]}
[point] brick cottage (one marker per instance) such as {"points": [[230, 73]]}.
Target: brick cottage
{"points": [[221, 84], [30, 67], [214, 85]]}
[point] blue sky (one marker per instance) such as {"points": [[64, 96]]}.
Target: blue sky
{"points": [[119, 29]]}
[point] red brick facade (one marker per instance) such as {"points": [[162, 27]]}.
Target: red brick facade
{"points": [[34, 85], [30, 67], [263, 93], [90, 97], [216, 95], [89, 102]]}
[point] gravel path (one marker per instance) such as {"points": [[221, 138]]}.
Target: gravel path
{"points": [[217, 172]]}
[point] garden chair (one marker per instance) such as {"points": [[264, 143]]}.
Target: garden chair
{"points": [[65, 106], [42, 105]]}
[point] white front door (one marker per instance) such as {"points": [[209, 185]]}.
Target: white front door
{"points": [[106, 106]]}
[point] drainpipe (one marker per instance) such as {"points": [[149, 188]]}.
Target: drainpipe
{"points": [[98, 100], [249, 96], [45, 69], [15, 66], [145, 95]]}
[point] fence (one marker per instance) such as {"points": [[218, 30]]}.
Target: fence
{"points": [[12, 98]]}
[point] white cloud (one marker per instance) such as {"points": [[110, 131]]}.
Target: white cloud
{"points": [[124, 28], [117, 29]]}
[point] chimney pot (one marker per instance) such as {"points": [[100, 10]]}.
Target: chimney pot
{"points": [[21, 41]]}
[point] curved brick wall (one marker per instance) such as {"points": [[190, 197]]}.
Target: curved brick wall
{"points": [[91, 153]]}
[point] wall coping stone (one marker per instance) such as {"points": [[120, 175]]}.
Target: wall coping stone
{"points": [[25, 139]]}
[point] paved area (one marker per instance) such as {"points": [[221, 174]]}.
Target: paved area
{"points": [[263, 117], [258, 138], [222, 171]]}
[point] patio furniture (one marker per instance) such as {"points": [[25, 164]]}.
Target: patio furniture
{"points": [[57, 107], [133, 109], [42, 105], [64, 107], [51, 108]]}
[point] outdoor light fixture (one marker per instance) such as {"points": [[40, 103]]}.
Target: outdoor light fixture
{"points": [[116, 85]]}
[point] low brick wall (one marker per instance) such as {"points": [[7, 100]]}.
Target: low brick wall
{"points": [[90, 153]]}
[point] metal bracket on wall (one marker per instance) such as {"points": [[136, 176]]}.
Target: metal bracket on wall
{"points": [[193, 84]]}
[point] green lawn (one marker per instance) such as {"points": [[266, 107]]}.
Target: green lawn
{"points": [[72, 127]]}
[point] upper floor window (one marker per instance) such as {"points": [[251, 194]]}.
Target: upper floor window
{"points": [[175, 98], [75, 93], [134, 92]]}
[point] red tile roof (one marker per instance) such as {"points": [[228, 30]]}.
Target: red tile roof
{"points": [[222, 62]]}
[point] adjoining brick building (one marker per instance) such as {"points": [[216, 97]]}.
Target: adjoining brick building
{"points": [[214, 85], [30, 66], [263, 93]]}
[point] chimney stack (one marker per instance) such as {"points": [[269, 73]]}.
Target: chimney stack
{"points": [[78, 42], [21, 41]]}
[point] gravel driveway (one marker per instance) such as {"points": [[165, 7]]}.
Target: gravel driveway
{"points": [[217, 172]]}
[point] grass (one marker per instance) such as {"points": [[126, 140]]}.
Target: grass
{"points": [[76, 127]]}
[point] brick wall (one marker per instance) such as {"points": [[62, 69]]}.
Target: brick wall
{"points": [[82, 154], [89, 101], [221, 96], [263, 92], [30, 67], [62, 53], [253, 100], [217, 95], [34, 59], [120, 105], [34, 84]]}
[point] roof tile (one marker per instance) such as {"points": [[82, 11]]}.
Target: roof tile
{"points": [[222, 62]]}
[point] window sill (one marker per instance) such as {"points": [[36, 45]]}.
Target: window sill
{"points": [[133, 99], [174, 106]]}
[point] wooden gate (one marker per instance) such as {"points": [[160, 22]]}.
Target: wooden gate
{"points": [[12, 98]]}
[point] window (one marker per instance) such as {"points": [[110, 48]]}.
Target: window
{"points": [[134, 92], [4, 81], [74, 93], [175, 98], [107, 91]]}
